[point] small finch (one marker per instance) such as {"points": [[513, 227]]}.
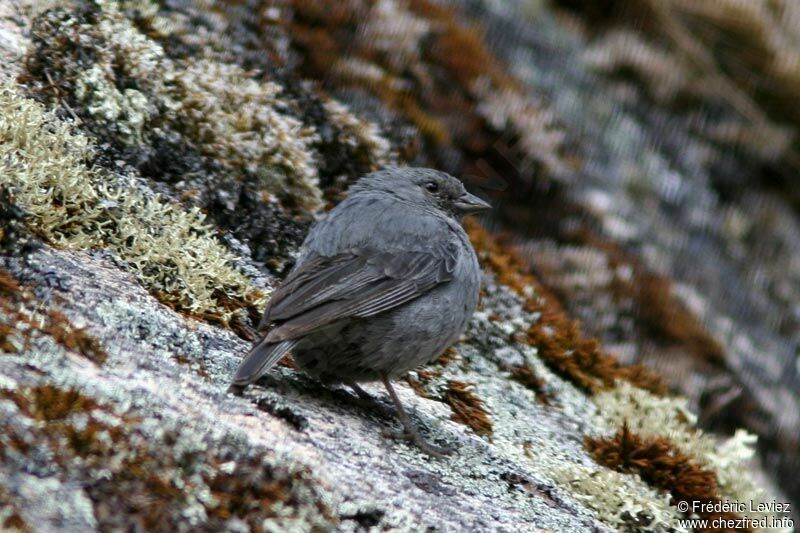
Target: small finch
{"points": [[384, 284]]}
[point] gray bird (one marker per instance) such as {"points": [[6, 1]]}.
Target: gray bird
{"points": [[384, 284]]}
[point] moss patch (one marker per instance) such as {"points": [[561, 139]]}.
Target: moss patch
{"points": [[659, 463], [526, 376], [159, 480], [621, 500], [702, 54], [435, 70], [22, 317], [468, 408], [74, 204], [558, 339], [209, 114], [653, 417], [10, 520], [660, 314]]}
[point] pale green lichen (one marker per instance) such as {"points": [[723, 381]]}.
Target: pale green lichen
{"points": [[362, 135], [228, 115], [648, 415], [73, 204], [137, 94], [128, 111], [620, 500]]}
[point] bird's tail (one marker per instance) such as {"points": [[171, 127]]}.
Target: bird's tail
{"points": [[261, 358]]}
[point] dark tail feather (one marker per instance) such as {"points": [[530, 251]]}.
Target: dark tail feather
{"points": [[261, 358]]}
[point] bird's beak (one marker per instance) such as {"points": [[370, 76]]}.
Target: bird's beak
{"points": [[469, 203]]}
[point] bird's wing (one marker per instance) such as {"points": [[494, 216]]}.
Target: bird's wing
{"points": [[358, 283]]}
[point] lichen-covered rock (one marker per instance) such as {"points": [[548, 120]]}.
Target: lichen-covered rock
{"points": [[151, 435], [161, 162], [677, 241], [74, 204]]}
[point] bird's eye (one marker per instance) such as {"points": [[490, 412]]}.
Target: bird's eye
{"points": [[432, 186]]}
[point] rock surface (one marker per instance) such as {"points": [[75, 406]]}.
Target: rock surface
{"points": [[162, 161]]}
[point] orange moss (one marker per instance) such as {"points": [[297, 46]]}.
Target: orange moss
{"points": [[287, 361], [509, 268], [141, 490], [13, 521], [137, 482], [417, 386], [241, 495], [664, 316], [407, 103], [200, 368], [8, 285], [429, 374], [582, 360], [459, 48], [447, 357], [659, 313], [526, 376], [6, 332], [467, 407], [14, 298], [74, 339], [558, 339], [322, 30], [251, 492], [16, 523], [49, 403], [659, 463], [424, 377], [435, 94], [53, 406]]}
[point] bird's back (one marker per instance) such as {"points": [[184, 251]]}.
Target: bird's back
{"points": [[375, 219], [383, 284], [357, 349]]}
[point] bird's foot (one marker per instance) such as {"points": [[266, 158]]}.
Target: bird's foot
{"points": [[425, 446], [411, 433]]}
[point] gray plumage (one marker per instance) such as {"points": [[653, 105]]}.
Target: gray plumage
{"points": [[384, 283]]}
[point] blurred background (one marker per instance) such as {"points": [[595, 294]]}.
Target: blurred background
{"points": [[643, 154]]}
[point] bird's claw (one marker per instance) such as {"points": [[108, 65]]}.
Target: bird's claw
{"points": [[425, 446]]}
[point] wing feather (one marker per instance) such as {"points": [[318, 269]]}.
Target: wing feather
{"points": [[358, 283]]}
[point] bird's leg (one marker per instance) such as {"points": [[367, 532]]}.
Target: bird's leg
{"points": [[372, 402], [361, 393], [411, 432]]}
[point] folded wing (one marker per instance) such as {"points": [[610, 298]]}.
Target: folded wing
{"points": [[358, 283]]}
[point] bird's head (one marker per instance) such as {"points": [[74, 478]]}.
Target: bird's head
{"points": [[425, 188]]}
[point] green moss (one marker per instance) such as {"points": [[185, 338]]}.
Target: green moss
{"points": [[76, 205], [228, 116], [125, 88]]}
